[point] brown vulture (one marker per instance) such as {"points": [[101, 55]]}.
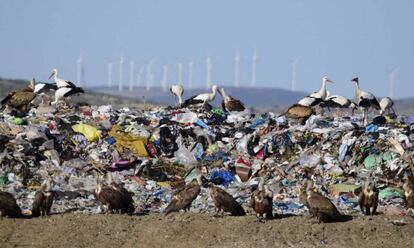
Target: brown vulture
{"points": [[20, 99], [409, 194], [43, 200], [114, 197], [224, 202], [262, 201], [368, 198], [299, 112], [184, 197], [319, 206], [8, 206], [229, 103]]}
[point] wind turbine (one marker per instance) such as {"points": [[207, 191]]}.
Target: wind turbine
{"points": [[150, 76], [254, 62], [109, 75], [190, 74], [121, 63], [139, 75], [237, 70], [164, 78], [209, 70], [131, 75], [391, 75], [180, 73], [79, 70], [294, 63]]}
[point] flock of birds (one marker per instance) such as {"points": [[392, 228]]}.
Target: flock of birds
{"points": [[116, 199]]}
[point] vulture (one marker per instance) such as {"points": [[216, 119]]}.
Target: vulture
{"points": [[114, 197], [299, 112], [409, 193], [203, 99], [262, 201], [229, 103], [43, 200], [8, 206], [178, 91], [386, 105], [319, 206], [184, 197], [64, 92], [368, 199], [58, 81], [316, 97], [224, 202], [365, 100], [20, 99]]}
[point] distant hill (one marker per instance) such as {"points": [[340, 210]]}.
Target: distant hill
{"points": [[252, 97]]}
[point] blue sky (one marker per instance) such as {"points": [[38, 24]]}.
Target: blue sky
{"points": [[340, 39]]}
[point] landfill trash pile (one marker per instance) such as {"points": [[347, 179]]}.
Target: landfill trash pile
{"points": [[155, 153]]}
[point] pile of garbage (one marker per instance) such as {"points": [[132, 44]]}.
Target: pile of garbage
{"points": [[154, 153]]}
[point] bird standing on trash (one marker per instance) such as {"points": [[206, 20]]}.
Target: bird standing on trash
{"points": [[224, 202], [386, 105], [183, 198], [20, 99], [316, 97], [368, 198], [43, 199], [299, 112], [203, 99], [64, 92], [178, 91], [338, 102], [364, 100], [319, 206], [114, 197], [229, 103], [262, 201], [8, 206]]}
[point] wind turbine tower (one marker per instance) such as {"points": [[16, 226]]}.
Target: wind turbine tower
{"points": [[131, 75], [164, 81], [139, 75], [109, 75], [190, 74], [391, 75], [79, 70], [254, 62], [149, 75], [209, 70], [121, 64], [237, 70], [294, 74]]}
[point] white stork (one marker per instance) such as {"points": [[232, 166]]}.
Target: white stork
{"points": [[364, 100], [203, 98], [66, 92], [316, 97], [60, 82], [386, 104], [178, 91], [339, 102], [229, 103]]}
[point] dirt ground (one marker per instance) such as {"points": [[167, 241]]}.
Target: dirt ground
{"points": [[196, 230]]}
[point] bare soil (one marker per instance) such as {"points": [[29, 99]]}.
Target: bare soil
{"points": [[197, 230]]}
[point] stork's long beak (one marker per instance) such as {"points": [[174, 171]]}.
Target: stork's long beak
{"points": [[51, 75], [330, 81]]}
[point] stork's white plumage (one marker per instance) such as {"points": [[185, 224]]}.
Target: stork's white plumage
{"points": [[66, 92], [316, 97], [364, 100], [178, 91], [386, 104], [204, 98], [43, 88], [60, 82]]}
